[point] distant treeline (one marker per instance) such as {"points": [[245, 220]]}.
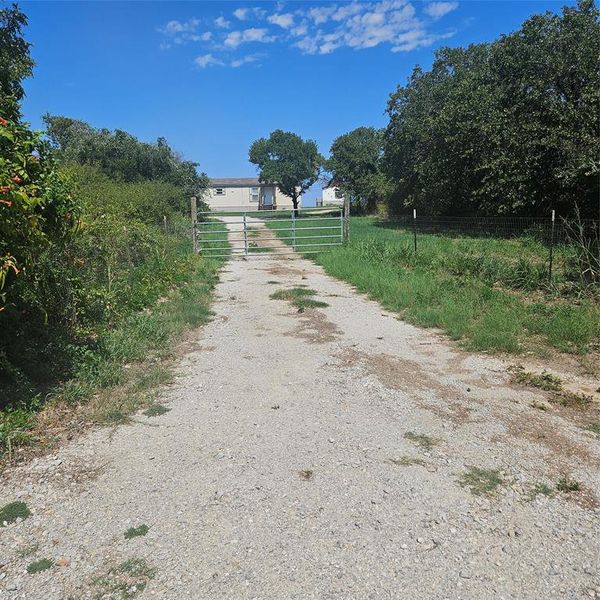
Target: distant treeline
{"points": [[509, 127]]}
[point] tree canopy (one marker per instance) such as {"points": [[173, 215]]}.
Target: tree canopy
{"points": [[287, 160], [122, 156], [509, 127], [16, 63], [355, 165]]}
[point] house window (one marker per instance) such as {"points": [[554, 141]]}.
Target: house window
{"points": [[219, 191], [339, 194], [254, 194]]}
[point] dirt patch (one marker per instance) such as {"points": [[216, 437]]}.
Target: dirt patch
{"points": [[283, 269], [393, 372], [542, 431], [409, 376], [316, 328]]}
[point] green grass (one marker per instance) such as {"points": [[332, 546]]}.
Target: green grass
{"points": [[492, 294], [136, 531], [300, 297], [421, 440], [39, 565], [593, 427], [13, 511], [545, 381], [117, 377], [156, 410], [541, 489], [124, 581], [481, 481], [565, 484]]}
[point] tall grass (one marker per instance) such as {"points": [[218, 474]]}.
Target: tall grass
{"points": [[492, 294]]}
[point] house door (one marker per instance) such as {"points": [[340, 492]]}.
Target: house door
{"points": [[268, 197]]}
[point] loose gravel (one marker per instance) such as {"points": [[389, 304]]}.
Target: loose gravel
{"points": [[333, 453]]}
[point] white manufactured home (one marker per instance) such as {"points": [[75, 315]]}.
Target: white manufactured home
{"points": [[245, 193], [332, 196]]}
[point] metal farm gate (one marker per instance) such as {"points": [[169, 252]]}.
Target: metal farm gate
{"points": [[271, 233]]}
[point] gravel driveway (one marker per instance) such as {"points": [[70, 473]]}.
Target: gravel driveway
{"points": [[334, 453]]}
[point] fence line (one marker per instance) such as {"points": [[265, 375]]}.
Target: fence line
{"points": [[552, 231]]}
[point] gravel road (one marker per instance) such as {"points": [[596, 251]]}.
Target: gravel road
{"points": [[335, 453]]}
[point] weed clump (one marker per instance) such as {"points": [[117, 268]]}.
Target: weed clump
{"points": [[593, 427], [39, 565], [156, 410], [126, 580], [136, 531], [300, 297], [481, 481], [420, 439], [544, 381], [13, 511], [565, 484]]}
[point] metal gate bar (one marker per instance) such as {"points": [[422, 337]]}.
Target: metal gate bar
{"points": [[275, 233]]}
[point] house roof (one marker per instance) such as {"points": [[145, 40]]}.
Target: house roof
{"points": [[234, 182]]}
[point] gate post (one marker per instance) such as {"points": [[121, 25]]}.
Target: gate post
{"points": [[346, 218], [194, 208], [294, 230], [245, 237]]}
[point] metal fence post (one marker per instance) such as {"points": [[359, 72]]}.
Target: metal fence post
{"points": [[245, 236], [346, 218], [415, 227], [194, 207], [294, 230], [551, 247]]}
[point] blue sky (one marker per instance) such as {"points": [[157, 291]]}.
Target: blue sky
{"points": [[213, 76]]}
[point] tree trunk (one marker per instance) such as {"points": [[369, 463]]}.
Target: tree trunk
{"points": [[295, 203]]}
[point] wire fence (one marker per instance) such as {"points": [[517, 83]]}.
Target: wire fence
{"points": [[572, 243], [546, 230]]}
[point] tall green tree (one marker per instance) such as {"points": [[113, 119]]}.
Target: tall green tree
{"points": [[121, 155], [355, 166], [510, 127], [288, 161], [16, 63]]}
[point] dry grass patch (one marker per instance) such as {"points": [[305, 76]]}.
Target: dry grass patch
{"points": [[407, 461]]}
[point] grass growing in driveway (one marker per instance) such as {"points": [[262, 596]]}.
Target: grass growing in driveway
{"points": [[156, 410], [545, 381], [489, 293], [125, 580], [420, 439], [13, 511], [481, 481], [300, 297], [136, 531], [39, 565]]}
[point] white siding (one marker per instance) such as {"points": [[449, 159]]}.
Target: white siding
{"points": [[238, 197], [329, 197]]}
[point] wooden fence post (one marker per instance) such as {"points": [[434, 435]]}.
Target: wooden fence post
{"points": [[194, 208]]}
